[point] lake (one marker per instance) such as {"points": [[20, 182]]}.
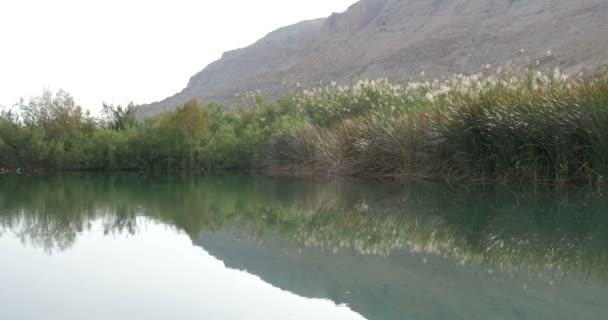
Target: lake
{"points": [[231, 246]]}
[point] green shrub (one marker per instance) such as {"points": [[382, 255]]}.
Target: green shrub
{"points": [[512, 126]]}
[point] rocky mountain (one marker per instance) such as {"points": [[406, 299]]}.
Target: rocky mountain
{"points": [[398, 39]]}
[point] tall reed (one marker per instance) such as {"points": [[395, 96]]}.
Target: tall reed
{"points": [[541, 128]]}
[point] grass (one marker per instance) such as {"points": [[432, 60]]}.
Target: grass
{"points": [[539, 128]]}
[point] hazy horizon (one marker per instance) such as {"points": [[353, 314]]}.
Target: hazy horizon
{"points": [[140, 51]]}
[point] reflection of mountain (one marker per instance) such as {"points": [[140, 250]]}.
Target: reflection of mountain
{"points": [[565, 233], [403, 285], [563, 236]]}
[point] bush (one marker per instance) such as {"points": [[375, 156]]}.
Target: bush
{"points": [[512, 126]]}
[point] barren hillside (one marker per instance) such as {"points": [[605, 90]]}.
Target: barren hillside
{"points": [[398, 39]]}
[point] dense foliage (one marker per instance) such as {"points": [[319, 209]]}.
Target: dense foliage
{"points": [[506, 126], [51, 132]]}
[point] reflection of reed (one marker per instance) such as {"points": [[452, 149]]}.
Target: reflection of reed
{"points": [[554, 234], [426, 234], [550, 234], [505, 240]]}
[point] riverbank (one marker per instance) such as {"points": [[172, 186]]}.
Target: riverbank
{"points": [[509, 126]]}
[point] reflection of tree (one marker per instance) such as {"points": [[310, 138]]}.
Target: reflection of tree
{"points": [[550, 232], [50, 212], [59, 232]]}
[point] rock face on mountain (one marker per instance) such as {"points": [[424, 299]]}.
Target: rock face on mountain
{"points": [[398, 39]]}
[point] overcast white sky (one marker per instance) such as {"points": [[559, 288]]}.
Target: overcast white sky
{"points": [[118, 51]]}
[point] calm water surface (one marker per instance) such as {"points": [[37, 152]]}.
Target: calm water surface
{"points": [[135, 246]]}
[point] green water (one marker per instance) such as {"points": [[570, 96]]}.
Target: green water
{"points": [[142, 246]]}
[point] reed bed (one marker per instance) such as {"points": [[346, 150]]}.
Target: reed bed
{"points": [[505, 127]]}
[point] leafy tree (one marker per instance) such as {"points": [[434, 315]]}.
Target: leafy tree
{"points": [[178, 134], [58, 131], [9, 137], [118, 118]]}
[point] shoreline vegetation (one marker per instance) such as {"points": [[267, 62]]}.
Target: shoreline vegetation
{"points": [[506, 126]]}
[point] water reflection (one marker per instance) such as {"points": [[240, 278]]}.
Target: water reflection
{"points": [[364, 244]]}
